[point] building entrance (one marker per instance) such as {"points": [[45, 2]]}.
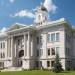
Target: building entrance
{"points": [[21, 54]]}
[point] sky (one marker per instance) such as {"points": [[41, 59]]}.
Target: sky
{"points": [[22, 11]]}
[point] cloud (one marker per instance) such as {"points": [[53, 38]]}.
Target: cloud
{"points": [[11, 1], [50, 6], [24, 13], [2, 31]]}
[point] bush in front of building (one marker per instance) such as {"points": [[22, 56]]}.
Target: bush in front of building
{"points": [[57, 65]]}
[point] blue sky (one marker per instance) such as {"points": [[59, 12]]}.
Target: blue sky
{"points": [[22, 11]]}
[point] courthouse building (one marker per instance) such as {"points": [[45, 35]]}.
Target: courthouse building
{"points": [[36, 45]]}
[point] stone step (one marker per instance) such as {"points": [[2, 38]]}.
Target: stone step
{"points": [[12, 69]]}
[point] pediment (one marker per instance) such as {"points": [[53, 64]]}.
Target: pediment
{"points": [[16, 26]]}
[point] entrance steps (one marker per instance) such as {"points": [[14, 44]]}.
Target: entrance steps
{"points": [[12, 69]]}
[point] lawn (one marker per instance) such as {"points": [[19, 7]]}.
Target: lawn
{"points": [[37, 72]]}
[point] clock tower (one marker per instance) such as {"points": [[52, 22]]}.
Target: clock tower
{"points": [[41, 15]]}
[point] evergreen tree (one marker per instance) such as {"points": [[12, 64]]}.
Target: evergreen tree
{"points": [[57, 65]]}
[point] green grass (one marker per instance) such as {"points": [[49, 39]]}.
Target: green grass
{"points": [[37, 72]]}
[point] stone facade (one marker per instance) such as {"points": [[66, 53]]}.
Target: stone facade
{"points": [[35, 46]]}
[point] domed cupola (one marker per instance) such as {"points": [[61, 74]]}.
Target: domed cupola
{"points": [[43, 8]]}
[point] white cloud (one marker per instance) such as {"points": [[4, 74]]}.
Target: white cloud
{"points": [[50, 6], [2, 31], [11, 1], [23, 13]]}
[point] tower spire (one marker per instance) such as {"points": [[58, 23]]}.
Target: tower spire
{"points": [[41, 15]]}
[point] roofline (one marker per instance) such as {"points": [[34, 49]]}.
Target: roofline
{"points": [[45, 25], [55, 23], [28, 27]]}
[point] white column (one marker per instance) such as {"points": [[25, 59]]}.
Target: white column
{"points": [[12, 54], [29, 51], [25, 49], [8, 47], [15, 49], [32, 47]]}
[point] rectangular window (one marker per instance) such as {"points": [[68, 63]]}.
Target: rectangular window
{"points": [[41, 52], [37, 52], [52, 63], [48, 51], [18, 41], [53, 51], [48, 37], [3, 55], [53, 37], [57, 50], [26, 36], [57, 36], [41, 40], [48, 63], [37, 40], [1, 64], [40, 63], [3, 44], [37, 64]]}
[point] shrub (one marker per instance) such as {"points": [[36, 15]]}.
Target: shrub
{"points": [[57, 65]]}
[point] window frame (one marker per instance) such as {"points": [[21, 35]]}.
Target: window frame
{"points": [[57, 37], [48, 63], [52, 37]]}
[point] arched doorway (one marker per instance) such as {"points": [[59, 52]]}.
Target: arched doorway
{"points": [[21, 54]]}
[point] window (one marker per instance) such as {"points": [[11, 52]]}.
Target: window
{"points": [[18, 41], [68, 51], [41, 40], [52, 63], [40, 63], [37, 40], [37, 52], [53, 37], [37, 64], [57, 50], [41, 52], [3, 44], [1, 64], [2, 55], [48, 63], [53, 51], [26, 36], [48, 51], [57, 36], [48, 37]]}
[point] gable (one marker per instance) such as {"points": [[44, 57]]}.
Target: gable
{"points": [[16, 26]]}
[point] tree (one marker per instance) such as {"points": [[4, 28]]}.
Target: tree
{"points": [[57, 65]]}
